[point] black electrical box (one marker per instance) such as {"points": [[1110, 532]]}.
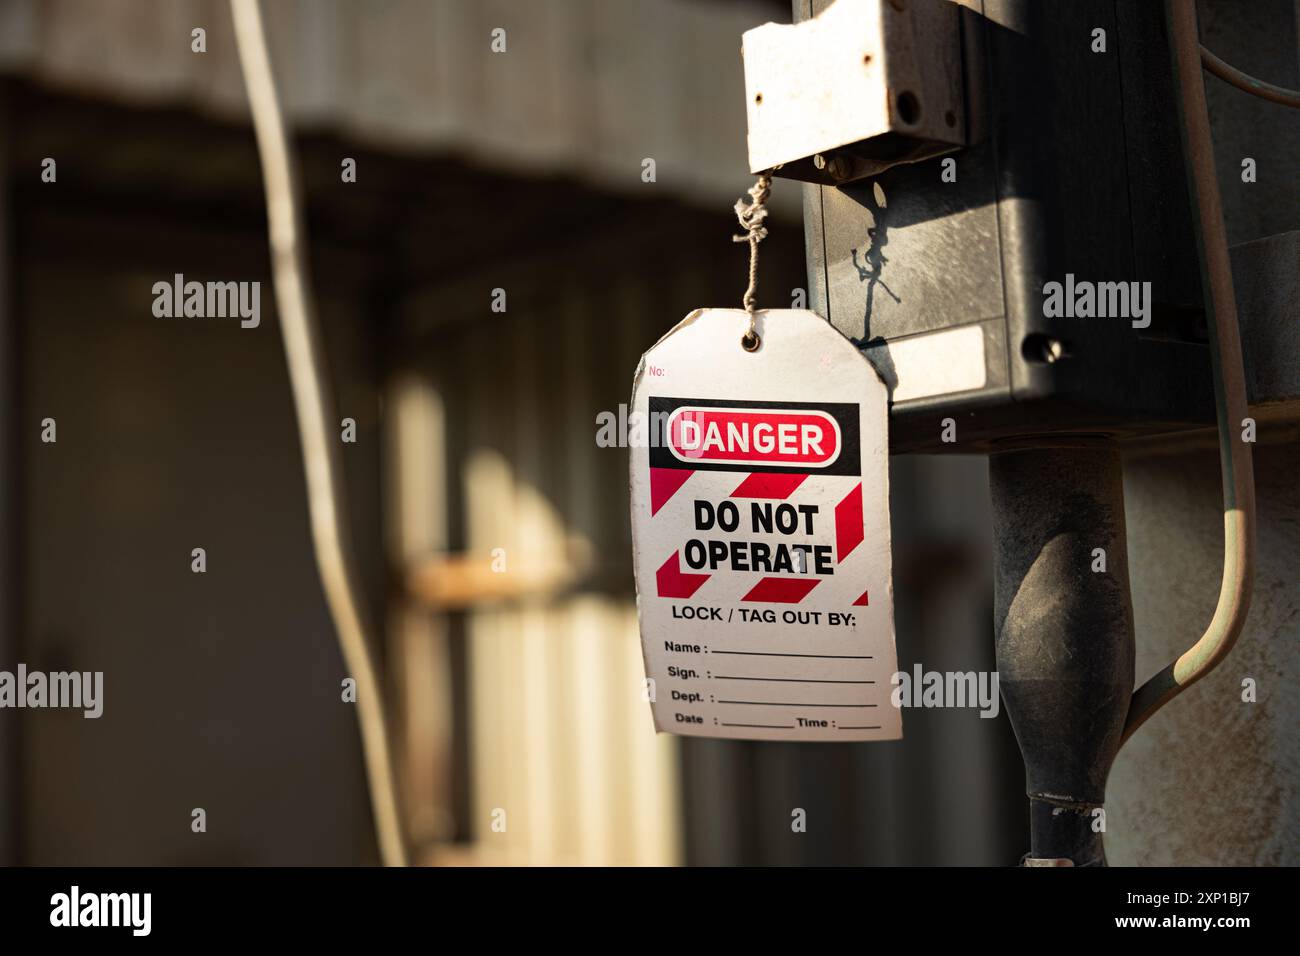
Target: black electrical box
{"points": [[1044, 278]]}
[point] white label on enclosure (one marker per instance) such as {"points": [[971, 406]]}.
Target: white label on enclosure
{"points": [[760, 526]]}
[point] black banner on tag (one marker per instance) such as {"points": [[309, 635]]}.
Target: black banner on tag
{"points": [[754, 436]]}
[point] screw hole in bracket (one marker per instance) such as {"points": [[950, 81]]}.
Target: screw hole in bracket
{"points": [[908, 107]]}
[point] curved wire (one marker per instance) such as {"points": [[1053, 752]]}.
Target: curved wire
{"points": [[1244, 81], [1236, 464], [312, 403]]}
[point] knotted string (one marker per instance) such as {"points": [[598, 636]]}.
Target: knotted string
{"points": [[751, 216]]}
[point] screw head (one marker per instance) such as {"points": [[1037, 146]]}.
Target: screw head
{"points": [[819, 161]]}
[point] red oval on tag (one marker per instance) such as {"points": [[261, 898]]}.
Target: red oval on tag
{"points": [[753, 436]]}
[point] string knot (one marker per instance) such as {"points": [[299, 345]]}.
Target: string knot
{"points": [[751, 217], [752, 214]]}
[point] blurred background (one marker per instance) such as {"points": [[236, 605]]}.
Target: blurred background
{"points": [[515, 689], [521, 689]]}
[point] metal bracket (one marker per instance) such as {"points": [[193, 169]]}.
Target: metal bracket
{"points": [[864, 86]]}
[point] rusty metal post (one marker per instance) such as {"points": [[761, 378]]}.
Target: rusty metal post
{"points": [[1064, 627]]}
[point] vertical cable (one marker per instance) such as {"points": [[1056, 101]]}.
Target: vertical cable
{"points": [[313, 405], [1229, 387]]}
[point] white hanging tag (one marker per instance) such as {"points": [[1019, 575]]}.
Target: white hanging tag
{"points": [[760, 527]]}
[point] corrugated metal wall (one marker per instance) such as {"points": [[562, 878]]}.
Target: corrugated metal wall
{"points": [[557, 731], [585, 87]]}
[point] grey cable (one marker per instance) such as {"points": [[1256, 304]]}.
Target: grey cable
{"points": [[312, 402]]}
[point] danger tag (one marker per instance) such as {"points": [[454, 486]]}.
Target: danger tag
{"points": [[760, 527]]}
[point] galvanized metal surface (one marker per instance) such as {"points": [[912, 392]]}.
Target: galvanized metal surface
{"points": [[1266, 276], [1214, 778]]}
